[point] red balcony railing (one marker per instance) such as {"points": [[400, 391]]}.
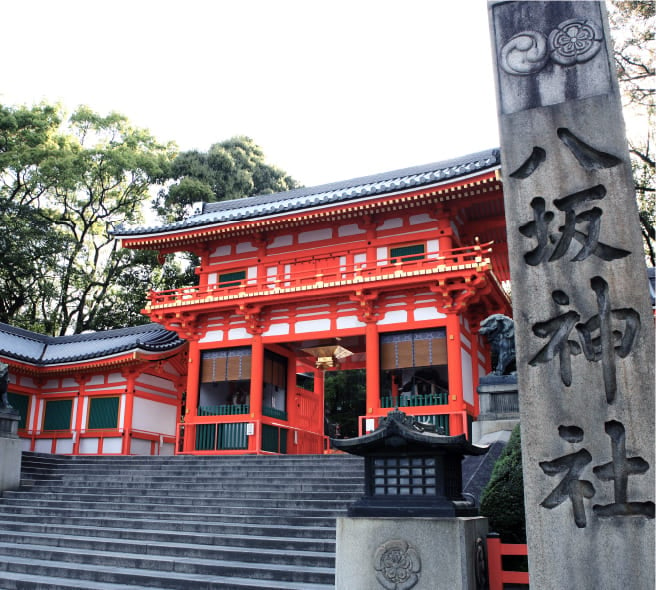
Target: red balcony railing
{"points": [[304, 274]]}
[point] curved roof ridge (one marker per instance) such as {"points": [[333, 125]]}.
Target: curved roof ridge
{"points": [[334, 192], [24, 345]]}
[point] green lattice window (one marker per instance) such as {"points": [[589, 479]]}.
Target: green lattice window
{"points": [[407, 253], [20, 403], [103, 412], [58, 414], [232, 279], [274, 439]]}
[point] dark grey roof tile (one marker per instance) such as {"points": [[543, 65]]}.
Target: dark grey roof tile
{"points": [[43, 350], [301, 198]]}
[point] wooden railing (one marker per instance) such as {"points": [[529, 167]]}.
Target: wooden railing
{"points": [[326, 272], [495, 552], [408, 401]]}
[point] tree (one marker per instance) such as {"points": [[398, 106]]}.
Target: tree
{"points": [[63, 188], [633, 23], [344, 400], [502, 500], [231, 169]]}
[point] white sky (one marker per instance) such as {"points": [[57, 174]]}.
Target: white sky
{"points": [[329, 89]]}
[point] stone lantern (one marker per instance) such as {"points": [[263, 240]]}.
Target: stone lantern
{"points": [[411, 470]]}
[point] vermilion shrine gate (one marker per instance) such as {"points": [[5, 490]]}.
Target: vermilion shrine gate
{"points": [[391, 273]]}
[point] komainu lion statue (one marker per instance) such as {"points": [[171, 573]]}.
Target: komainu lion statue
{"points": [[500, 333]]}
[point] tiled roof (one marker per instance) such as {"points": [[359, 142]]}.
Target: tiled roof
{"points": [[336, 192], [23, 345]]}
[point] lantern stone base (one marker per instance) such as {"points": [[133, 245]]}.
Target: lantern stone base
{"points": [[411, 553], [10, 451]]}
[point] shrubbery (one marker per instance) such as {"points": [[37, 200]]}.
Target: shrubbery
{"points": [[503, 497]]}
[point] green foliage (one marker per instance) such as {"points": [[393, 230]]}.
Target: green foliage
{"points": [[231, 169], [503, 497], [633, 25], [64, 187], [345, 400]]}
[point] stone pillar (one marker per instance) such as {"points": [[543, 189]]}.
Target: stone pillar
{"points": [[584, 326], [10, 450], [498, 400], [410, 553]]}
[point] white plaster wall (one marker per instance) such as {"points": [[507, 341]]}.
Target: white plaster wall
{"points": [[245, 247], [85, 413], [465, 340], [27, 381], [69, 382], [89, 446], [96, 380], [315, 235], [43, 445], [238, 334], [30, 420], [427, 313], [422, 218], [396, 316], [433, 247], [115, 378], [153, 416], [140, 447], [167, 449], [349, 321], [251, 272], [64, 446], [277, 330], [121, 411], [391, 223], [25, 444], [213, 336], [351, 229], [467, 381], [312, 326], [221, 251], [112, 446], [281, 241], [381, 255], [156, 382], [360, 258]]}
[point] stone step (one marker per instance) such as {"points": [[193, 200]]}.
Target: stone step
{"points": [[343, 493], [237, 522], [250, 498], [28, 574], [238, 506], [192, 488], [108, 517], [267, 537], [172, 495], [218, 552], [45, 559]]}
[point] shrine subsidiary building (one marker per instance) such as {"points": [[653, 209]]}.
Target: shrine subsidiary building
{"points": [[391, 274]]}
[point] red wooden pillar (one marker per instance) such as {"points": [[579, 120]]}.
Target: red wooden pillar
{"points": [[77, 421], [130, 376], [454, 361], [193, 385], [257, 388], [373, 367], [475, 349]]}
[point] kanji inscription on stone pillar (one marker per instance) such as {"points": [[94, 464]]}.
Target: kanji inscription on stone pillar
{"points": [[583, 319]]}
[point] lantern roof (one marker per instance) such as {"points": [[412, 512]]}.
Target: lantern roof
{"points": [[400, 434]]}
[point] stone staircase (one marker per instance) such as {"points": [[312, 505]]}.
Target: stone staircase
{"points": [[231, 522]]}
